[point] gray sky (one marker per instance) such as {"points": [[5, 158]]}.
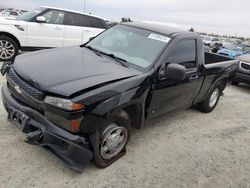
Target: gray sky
{"points": [[217, 16]]}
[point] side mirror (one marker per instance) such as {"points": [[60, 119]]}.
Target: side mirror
{"points": [[173, 71], [41, 19]]}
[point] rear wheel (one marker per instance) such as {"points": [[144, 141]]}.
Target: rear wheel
{"points": [[8, 48], [211, 101], [113, 138]]}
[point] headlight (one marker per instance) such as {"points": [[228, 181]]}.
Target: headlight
{"points": [[64, 104]]}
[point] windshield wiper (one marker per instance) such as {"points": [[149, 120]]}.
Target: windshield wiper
{"points": [[94, 50], [117, 59]]}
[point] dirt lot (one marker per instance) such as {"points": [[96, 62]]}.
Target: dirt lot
{"points": [[186, 149]]}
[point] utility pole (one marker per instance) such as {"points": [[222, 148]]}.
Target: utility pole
{"points": [[84, 6], [237, 32]]}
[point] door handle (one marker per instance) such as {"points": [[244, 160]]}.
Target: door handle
{"points": [[193, 77], [87, 30]]}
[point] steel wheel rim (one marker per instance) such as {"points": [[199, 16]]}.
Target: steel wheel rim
{"points": [[7, 49], [114, 140], [214, 97]]}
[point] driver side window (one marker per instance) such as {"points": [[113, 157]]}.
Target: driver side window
{"points": [[184, 53], [54, 17]]}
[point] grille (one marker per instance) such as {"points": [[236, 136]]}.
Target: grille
{"points": [[245, 66], [24, 86]]}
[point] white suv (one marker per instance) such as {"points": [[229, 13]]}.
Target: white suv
{"points": [[46, 27]]}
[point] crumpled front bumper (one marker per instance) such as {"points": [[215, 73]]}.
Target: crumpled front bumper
{"points": [[73, 150]]}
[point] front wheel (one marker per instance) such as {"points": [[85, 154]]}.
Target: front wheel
{"points": [[8, 49], [211, 101], [112, 140]]}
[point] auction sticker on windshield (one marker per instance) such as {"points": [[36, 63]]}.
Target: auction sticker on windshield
{"points": [[159, 37]]}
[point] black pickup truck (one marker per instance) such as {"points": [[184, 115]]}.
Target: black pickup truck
{"points": [[81, 102]]}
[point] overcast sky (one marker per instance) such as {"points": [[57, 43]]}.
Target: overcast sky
{"points": [[217, 16]]}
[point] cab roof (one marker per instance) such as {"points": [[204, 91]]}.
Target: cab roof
{"points": [[155, 27]]}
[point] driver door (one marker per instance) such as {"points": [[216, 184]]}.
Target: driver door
{"points": [[169, 95], [47, 34]]}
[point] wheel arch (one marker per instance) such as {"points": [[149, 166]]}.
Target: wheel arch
{"points": [[3, 33], [221, 83], [135, 112], [137, 109]]}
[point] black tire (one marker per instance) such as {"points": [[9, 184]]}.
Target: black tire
{"points": [[3, 54], [121, 119], [205, 105]]}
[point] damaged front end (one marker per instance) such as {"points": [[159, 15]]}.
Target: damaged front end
{"points": [[73, 150]]}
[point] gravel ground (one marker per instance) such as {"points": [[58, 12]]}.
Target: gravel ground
{"points": [[184, 149]]}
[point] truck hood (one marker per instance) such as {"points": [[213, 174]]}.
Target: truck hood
{"points": [[65, 71]]}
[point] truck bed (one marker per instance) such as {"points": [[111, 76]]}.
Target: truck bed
{"points": [[216, 66]]}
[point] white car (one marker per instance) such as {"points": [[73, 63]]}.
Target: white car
{"points": [[46, 27], [12, 13], [209, 40]]}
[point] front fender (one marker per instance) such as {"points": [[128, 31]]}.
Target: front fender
{"points": [[13, 31], [108, 108], [104, 102], [117, 102]]}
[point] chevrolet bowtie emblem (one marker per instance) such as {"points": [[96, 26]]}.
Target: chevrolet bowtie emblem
{"points": [[18, 90]]}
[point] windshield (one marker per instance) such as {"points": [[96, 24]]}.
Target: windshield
{"points": [[228, 40], [207, 38], [28, 15], [231, 47], [138, 47]]}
